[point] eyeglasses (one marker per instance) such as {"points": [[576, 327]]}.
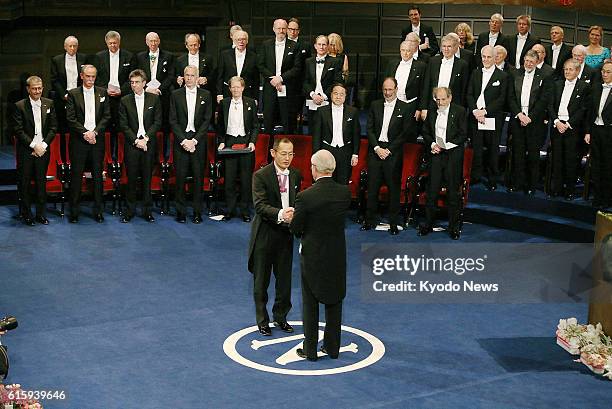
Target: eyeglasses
{"points": [[285, 154]]}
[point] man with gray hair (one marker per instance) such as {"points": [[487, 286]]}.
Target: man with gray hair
{"points": [[558, 52], [492, 37], [413, 40], [586, 74], [319, 221], [521, 42], [203, 62]]}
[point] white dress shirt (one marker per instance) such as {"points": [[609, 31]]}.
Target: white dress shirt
{"points": [[36, 112], [401, 75], [568, 89], [441, 126], [279, 52], [282, 175], [318, 75], [235, 118], [140, 99], [337, 118], [486, 76], [72, 72], [493, 38], [153, 65], [520, 44], [190, 96], [446, 70], [526, 91], [240, 56], [389, 107], [555, 54], [194, 59], [605, 92], [114, 69], [416, 29], [90, 108]]}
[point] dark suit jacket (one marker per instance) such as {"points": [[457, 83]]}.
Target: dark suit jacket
{"points": [[547, 72], [23, 122], [565, 53], [414, 85], [206, 68], [304, 47], [249, 115], [267, 202], [399, 126], [291, 67], [165, 69], [468, 56], [319, 220], [59, 82], [538, 97], [201, 119], [75, 113], [590, 76], [425, 31], [323, 128], [483, 39], [227, 69], [456, 128], [458, 81], [606, 113], [126, 65], [495, 93], [512, 41], [578, 107], [332, 74], [128, 117], [423, 57]]}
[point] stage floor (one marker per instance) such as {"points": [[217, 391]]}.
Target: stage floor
{"points": [[136, 316]]}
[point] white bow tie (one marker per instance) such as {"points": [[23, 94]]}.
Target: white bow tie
{"points": [[447, 61], [283, 172], [570, 82], [522, 37], [607, 86], [35, 103], [556, 47]]}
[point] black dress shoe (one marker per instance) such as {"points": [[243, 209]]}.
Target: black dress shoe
{"points": [[530, 192], [181, 218], [424, 229], [510, 189], [74, 219], [42, 220], [197, 218], [393, 230], [246, 218], [324, 350], [454, 234], [265, 330], [126, 218], [366, 226], [28, 221], [149, 217], [227, 217], [569, 197], [283, 326], [301, 354], [99, 218], [492, 187]]}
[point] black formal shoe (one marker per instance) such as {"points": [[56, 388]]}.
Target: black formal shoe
{"points": [[569, 197], [492, 187], [181, 218], [227, 217], [99, 218], [74, 219], [366, 226], [197, 218], [530, 192], [424, 229], [126, 218], [149, 217], [265, 330], [42, 220], [393, 230], [246, 218], [301, 354], [283, 326], [454, 234], [324, 350], [28, 221], [510, 189]]}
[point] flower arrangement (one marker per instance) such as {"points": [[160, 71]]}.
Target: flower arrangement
{"points": [[13, 397], [588, 341]]}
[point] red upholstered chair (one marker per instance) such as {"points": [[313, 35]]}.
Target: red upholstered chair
{"points": [[302, 147], [261, 151]]}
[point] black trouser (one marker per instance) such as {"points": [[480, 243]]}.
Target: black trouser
{"points": [[563, 161], [389, 170], [284, 106], [601, 163], [446, 165], [490, 166], [113, 124], [273, 251], [343, 156], [184, 162], [526, 143], [80, 152], [139, 164], [310, 321], [32, 167], [238, 165]]}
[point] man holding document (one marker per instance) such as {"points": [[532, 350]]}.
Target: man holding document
{"points": [[486, 99], [444, 132]]}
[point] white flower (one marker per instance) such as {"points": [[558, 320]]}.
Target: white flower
{"points": [[608, 368]]}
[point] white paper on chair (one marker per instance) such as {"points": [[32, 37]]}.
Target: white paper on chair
{"points": [[489, 125], [153, 84], [443, 144], [313, 107]]}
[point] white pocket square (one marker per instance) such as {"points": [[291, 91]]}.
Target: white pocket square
{"points": [[577, 96], [495, 84], [400, 116], [587, 81], [165, 62], [202, 103], [290, 52], [48, 110], [150, 108], [330, 69], [411, 100], [349, 119], [102, 99], [249, 108]]}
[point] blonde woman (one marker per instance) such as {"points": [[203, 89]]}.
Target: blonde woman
{"points": [[464, 31], [596, 53], [336, 50]]}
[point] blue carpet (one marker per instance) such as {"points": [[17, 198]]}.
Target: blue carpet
{"points": [[135, 316]]}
